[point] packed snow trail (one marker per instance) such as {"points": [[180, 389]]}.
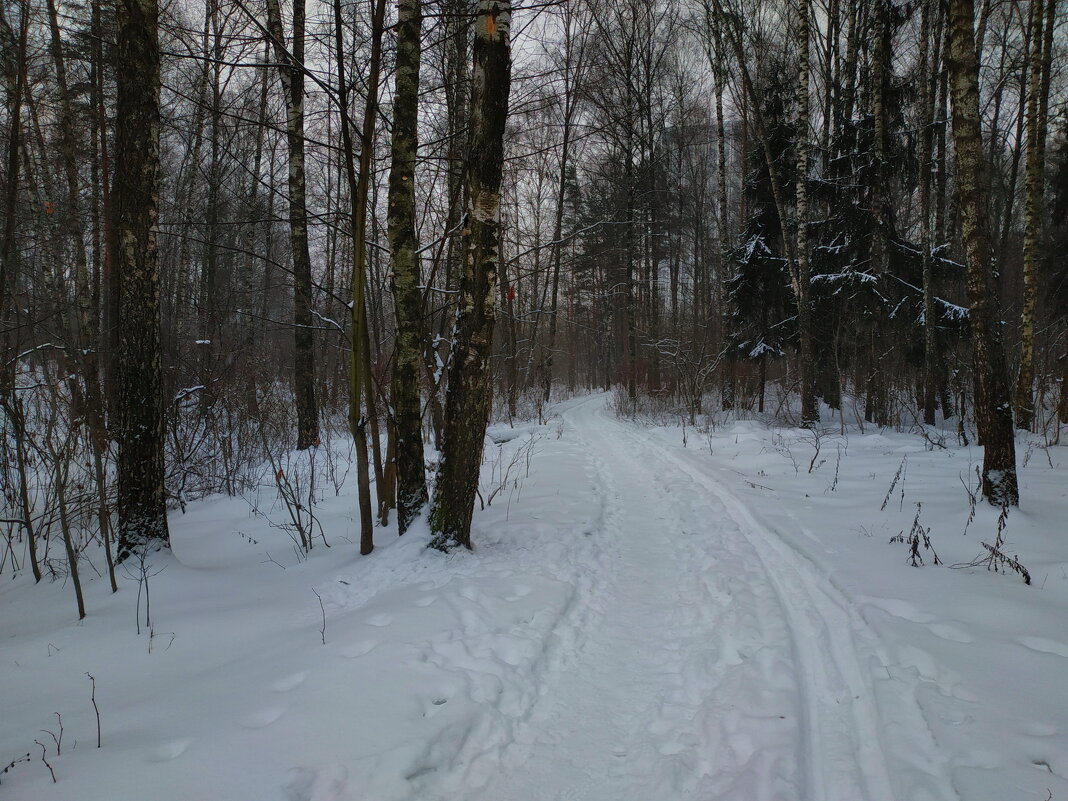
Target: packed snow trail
{"points": [[707, 661], [626, 629]]}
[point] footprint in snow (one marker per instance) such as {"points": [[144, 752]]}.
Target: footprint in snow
{"points": [[263, 718], [290, 683], [380, 620], [426, 600], [1042, 645], [171, 750], [358, 649], [431, 709], [318, 784]]}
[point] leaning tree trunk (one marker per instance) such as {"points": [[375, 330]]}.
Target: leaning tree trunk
{"points": [[993, 406], [467, 400], [290, 70], [142, 506], [404, 246]]}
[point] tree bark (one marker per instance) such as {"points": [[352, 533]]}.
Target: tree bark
{"points": [[83, 323], [717, 58], [358, 191], [993, 406], [290, 70], [10, 403], [469, 380], [930, 356], [109, 286], [1037, 99], [457, 100], [809, 410], [404, 246], [8, 256], [574, 48], [142, 508]]}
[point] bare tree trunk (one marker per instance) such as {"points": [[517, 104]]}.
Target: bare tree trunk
{"points": [[83, 322], [256, 209], [358, 191], [830, 61], [877, 406], [62, 466], [109, 289], [717, 59], [629, 301], [941, 170], [1008, 205], [457, 97], [847, 71], [1037, 99], [290, 69], [182, 284], [574, 49], [511, 338], [930, 354], [404, 246], [9, 344], [10, 404], [810, 413], [993, 407], [469, 379], [142, 499], [210, 279], [1062, 406]]}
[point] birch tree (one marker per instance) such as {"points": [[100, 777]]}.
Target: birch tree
{"points": [[468, 395], [291, 72], [926, 123], [809, 410], [404, 252]]}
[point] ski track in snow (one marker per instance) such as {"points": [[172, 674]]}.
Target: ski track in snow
{"points": [[702, 659], [626, 629]]}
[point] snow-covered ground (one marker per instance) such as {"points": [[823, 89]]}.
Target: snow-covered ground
{"points": [[650, 613]]}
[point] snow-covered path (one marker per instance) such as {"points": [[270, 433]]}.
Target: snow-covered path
{"points": [[708, 660], [645, 617]]}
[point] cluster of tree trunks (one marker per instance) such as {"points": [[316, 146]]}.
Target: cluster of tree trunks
{"points": [[469, 391], [791, 223]]}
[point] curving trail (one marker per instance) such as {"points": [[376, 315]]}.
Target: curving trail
{"points": [[706, 660]]}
